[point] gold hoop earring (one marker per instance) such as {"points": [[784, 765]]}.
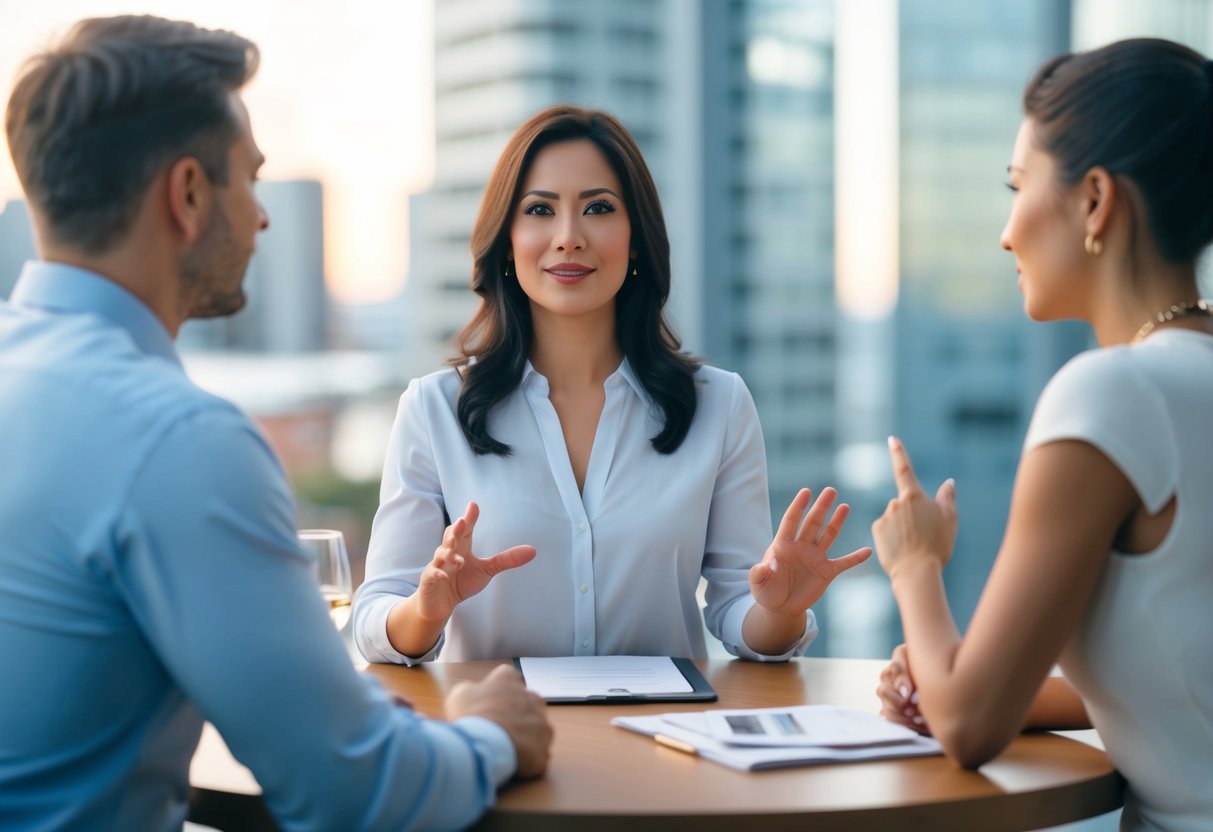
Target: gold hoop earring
{"points": [[1093, 245]]}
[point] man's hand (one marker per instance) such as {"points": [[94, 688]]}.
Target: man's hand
{"points": [[503, 698]]}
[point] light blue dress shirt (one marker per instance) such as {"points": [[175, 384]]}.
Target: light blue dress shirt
{"points": [[618, 563], [150, 579]]}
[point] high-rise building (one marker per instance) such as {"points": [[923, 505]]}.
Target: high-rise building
{"points": [[767, 209], [497, 64], [287, 309], [731, 104], [939, 350], [16, 243]]}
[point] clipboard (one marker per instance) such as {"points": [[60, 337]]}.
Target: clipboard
{"points": [[701, 690]]}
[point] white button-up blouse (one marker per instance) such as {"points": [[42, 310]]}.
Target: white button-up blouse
{"points": [[618, 564]]}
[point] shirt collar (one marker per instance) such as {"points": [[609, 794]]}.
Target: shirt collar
{"points": [[625, 373], [57, 287]]}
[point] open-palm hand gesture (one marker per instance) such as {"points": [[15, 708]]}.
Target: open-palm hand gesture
{"points": [[796, 570], [455, 574]]}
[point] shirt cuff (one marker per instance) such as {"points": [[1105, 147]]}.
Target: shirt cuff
{"points": [[492, 744], [734, 641], [370, 633]]}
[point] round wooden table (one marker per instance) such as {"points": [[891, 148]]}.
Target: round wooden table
{"points": [[602, 777]]}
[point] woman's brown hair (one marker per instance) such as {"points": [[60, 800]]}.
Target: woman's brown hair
{"points": [[495, 344]]}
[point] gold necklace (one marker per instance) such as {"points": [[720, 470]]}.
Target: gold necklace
{"points": [[1179, 310]]}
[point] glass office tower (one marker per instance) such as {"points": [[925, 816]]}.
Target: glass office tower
{"points": [[731, 104], [287, 309], [768, 179], [948, 360], [498, 63]]}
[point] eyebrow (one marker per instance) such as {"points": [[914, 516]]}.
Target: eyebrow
{"points": [[583, 195]]}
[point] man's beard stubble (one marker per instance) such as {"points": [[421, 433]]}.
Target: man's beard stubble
{"points": [[212, 273]]}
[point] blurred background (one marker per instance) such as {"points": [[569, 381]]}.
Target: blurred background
{"points": [[832, 175]]}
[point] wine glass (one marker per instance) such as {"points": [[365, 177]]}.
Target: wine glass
{"points": [[326, 548]]}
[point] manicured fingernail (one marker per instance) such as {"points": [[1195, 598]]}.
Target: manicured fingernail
{"points": [[903, 690], [918, 720], [773, 566], [892, 443], [914, 697]]}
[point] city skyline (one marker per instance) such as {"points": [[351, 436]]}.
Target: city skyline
{"points": [[839, 251], [343, 96]]}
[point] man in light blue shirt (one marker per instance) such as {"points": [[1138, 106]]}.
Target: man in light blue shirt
{"points": [[149, 572]]}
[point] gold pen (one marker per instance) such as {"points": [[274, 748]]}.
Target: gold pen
{"points": [[677, 745]]}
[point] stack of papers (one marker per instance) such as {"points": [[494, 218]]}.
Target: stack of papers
{"points": [[764, 738]]}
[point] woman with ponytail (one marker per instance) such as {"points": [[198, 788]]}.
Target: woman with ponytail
{"points": [[1107, 563]]}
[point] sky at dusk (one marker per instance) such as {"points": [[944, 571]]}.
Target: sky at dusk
{"points": [[344, 95]]}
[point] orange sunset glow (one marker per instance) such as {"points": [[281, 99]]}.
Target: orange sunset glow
{"points": [[344, 96]]}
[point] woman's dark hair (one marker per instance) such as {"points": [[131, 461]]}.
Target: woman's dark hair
{"points": [[91, 122], [499, 335], [1141, 109]]}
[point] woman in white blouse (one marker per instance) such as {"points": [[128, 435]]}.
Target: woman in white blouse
{"points": [[607, 469], [1107, 563]]}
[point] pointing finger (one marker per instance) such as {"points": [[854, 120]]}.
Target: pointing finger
{"points": [[903, 471], [946, 495]]}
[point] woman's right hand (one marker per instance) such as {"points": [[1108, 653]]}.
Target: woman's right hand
{"points": [[898, 695], [915, 529], [455, 574]]}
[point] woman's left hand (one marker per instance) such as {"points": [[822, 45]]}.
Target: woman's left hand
{"points": [[795, 570], [898, 694]]}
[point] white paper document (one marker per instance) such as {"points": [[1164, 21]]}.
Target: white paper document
{"points": [[573, 677], [800, 726], [692, 731]]}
